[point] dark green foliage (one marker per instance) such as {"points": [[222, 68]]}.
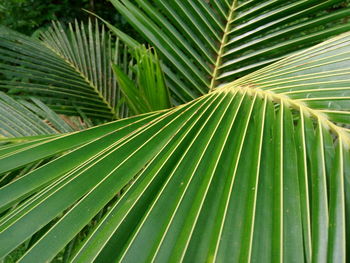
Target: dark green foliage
{"points": [[28, 16]]}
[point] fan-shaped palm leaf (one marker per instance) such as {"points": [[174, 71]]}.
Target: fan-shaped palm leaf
{"points": [[207, 43], [257, 170]]}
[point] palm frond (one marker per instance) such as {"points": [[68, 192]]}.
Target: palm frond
{"points": [[257, 170], [207, 43], [70, 70]]}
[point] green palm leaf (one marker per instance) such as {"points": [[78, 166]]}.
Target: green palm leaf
{"points": [[207, 43], [21, 118], [70, 70], [257, 170]]}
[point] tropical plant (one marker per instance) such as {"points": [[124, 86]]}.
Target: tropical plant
{"points": [[254, 165]]}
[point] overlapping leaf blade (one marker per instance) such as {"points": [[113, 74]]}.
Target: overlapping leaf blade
{"points": [[19, 119]]}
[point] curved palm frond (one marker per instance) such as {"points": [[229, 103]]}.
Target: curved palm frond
{"points": [[70, 70], [257, 170], [208, 43]]}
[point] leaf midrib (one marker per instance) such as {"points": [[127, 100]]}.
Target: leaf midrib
{"points": [[85, 78], [223, 43]]}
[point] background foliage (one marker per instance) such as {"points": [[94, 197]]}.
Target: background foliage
{"points": [[28, 16]]}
